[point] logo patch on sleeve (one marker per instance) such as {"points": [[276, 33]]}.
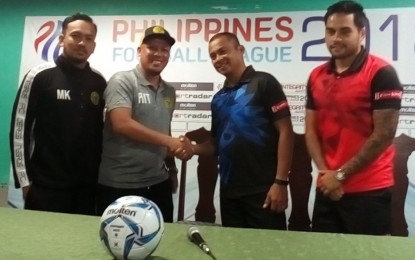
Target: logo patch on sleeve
{"points": [[389, 94], [280, 106]]}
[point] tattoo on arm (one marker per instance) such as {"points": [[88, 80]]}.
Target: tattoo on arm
{"points": [[385, 122]]}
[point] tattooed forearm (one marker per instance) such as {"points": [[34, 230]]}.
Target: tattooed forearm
{"points": [[385, 122]]}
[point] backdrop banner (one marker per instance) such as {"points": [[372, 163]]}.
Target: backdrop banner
{"points": [[288, 45]]}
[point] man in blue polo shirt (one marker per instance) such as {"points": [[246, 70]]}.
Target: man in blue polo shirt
{"points": [[253, 137]]}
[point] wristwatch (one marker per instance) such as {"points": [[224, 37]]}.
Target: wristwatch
{"points": [[340, 175], [281, 182]]}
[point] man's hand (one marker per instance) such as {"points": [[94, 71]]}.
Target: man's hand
{"points": [[174, 144], [277, 198], [336, 194], [328, 184], [185, 152]]}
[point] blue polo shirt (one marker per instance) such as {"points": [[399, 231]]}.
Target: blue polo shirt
{"points": [[243, 119]]}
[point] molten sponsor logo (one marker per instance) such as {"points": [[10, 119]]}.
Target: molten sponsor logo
{"points": [[188, 85], [279, 106], [122, 211], [188, 105], [390, 94]]}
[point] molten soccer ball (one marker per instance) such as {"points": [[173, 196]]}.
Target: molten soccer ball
{"points": [[131, 227]]}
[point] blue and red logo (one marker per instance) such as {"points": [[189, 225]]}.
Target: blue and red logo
{"points": [[47, 40]]}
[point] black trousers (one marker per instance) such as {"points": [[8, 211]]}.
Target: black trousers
{"points": [[356, 213], [77, 200], [247, 212], [160, 193]]}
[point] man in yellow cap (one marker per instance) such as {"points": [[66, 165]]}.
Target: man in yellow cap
{"points": [[137, 140]]}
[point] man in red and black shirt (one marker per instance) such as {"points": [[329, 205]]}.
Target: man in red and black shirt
{"points": [[351, 118]]}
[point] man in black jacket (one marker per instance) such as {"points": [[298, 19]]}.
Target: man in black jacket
{"points": [[56, 128]]}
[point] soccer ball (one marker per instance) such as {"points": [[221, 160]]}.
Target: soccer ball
{"points": [[131, 227]]}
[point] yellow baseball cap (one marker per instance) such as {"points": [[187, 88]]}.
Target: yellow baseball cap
{"points": [[158, 32]]}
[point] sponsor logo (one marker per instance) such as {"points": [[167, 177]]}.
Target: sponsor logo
{"points": [[122, 211], [406, 118], [47, 40], [187, 105], [409, 88], [409, 100], [188, 85], [294, 86], [193, 96], [192, 86], [297, 107], [407, 111], [204, 106], [390, 94], [296, 97], [298, 119], [279, 106], [191, 116], [406, 122]]}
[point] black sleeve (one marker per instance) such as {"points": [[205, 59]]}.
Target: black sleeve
{"points": [[274, 98], [22, 120], [386, 89]]}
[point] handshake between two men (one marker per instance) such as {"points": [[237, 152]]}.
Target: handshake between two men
{"points": [[181, 147]]}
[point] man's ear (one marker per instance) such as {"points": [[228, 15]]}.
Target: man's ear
{"points": [[362, 34], [61, 37], [95, 45], [241, 48]]}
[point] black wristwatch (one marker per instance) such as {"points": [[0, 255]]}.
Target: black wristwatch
{"points": [[281, 182]]}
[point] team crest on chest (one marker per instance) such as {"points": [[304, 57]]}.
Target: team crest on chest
{"points": [[168, 103], [95, 98]]}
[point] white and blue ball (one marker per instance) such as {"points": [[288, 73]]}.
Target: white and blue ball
{"points": [[131, 227]]}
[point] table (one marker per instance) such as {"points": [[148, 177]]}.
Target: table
{"points": [[43, 235]]}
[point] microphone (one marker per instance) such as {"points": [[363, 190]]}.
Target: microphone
{"points": [[194, 236]]}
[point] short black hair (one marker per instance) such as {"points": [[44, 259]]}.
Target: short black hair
{"points": [[230, 36], [75, 17], [348, 7]]}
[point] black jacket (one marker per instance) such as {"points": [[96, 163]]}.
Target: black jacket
{"points": [[56, 126]]}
